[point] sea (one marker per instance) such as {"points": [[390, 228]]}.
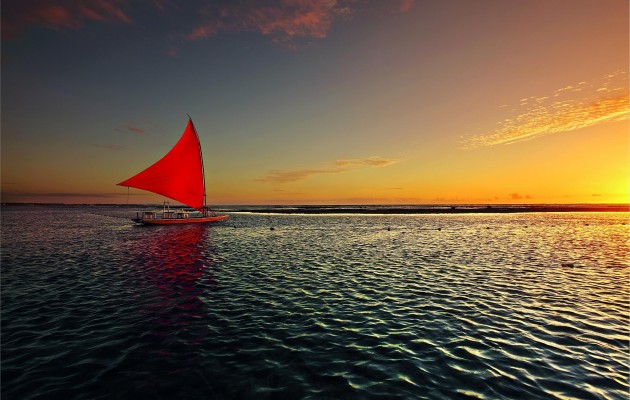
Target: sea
{"points": [[314, 306]]}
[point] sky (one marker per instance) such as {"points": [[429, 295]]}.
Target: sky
{"points": [[319, 101]]}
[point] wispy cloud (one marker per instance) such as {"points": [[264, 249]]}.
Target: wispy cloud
{"points": [[167, 6], [282, 20], [290, 23], [337, 167], [405, 5], [59, 14], [136, 130], [17, 194], [173, 51], [293, 24], [517, 196], [576, 106], [285, 176], [366, 162], [132, 129]]}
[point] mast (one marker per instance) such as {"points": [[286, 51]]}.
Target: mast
{"points": [[203, 172]]}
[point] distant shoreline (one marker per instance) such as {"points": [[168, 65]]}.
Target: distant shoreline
{"points": [[463, 209], [374, 209]]}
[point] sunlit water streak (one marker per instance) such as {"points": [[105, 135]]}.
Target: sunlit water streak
{"points": [[324, 306]]}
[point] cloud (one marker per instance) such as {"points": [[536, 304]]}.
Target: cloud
{"points": [[367, 162], [338, 167], [173, 51], [283, 20], [572, 107], [62, 194], [297, 175], [516, 196], [131, 128], [293, 24], [405, 5], [167, 6], [59, 14], [136, 130]]}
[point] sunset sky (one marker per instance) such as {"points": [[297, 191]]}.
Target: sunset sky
{"points": [[319, 102]]}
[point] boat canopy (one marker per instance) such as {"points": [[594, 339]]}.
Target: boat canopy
{"points": [[178, 175]]}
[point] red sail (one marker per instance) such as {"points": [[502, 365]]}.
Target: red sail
{"points": [[178, 175]]}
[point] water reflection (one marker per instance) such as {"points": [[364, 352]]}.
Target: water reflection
{"points": [[177, 260]]}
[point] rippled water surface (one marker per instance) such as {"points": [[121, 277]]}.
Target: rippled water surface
{"points": [[324, 306]]}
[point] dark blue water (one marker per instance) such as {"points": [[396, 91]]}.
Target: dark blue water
{"points": [[324, 306]]}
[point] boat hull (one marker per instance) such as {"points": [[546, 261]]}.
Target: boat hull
{"points": [[181, 221]]}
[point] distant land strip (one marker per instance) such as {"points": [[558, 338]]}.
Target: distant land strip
{"points": [[371, 209], [455, 209]]}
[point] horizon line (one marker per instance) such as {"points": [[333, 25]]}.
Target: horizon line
{"points": [[7, 203]]}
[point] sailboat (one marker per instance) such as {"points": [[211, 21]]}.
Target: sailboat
{"points": [[179, 176]]}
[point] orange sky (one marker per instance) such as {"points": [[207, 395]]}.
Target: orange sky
{"points": [[321, 103]]}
